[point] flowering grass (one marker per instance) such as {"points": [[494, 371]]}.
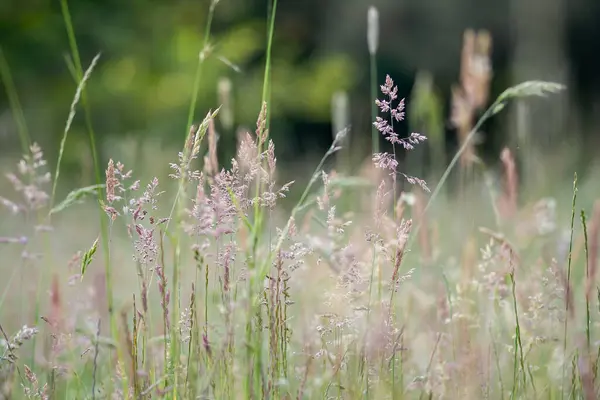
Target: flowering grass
{"points": [[212, 289], [330, 304]]}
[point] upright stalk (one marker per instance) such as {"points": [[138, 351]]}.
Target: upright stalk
{"points": [[587, 278], [201, 57], [256, 342], [79, 74], [180, 204], [15, 104], [568, 289], [373, 44], [374, 132], [266, 94]]}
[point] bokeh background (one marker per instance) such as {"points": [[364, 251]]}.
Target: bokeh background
{"points": [[140, 91]]}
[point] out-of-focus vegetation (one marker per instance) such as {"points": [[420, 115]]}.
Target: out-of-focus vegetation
{"points": [[143, 84], [364, 278]]}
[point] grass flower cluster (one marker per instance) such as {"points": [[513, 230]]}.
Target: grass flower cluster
{"points": [[236, 297]]}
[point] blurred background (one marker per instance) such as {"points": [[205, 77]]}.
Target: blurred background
{"points": [[140, 91]]}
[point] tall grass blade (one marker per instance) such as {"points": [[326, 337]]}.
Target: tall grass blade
{"points": [[76, 98], [92, 139], [15, 104], [76, 197], [525, 89], [568, 283]]}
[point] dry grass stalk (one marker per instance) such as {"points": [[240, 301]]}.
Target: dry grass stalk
{"points": [[567, 288], [211, 163], [370, 173], [33, 390], [261, 124], [594, 232], [134, 351], [585, 365], [191, 138], [304, 379], [443, 308], [127, 342], [508, 249], [507, 203], [55, 321], [192, 341], [111, 182], [165, 296], [56, 312], [472, 92], [422, 221], [469, 260], [224, 90], [9, 358], [400, 208], [403, 232]]}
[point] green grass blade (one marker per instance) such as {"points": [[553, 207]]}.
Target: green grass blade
{"points": [[92, 139], [72, 112], [522, 90], [15, 104]]}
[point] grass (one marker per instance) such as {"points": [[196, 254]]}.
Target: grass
{"points": [[79, 75], [15, 103], [211, 289]]}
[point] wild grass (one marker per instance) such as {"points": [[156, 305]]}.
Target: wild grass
{"points": [[212, 289], [76, 68]]}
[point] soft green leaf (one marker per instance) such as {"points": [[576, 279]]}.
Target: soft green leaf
{"points": [[349, 181], [320, 221], [525, 89], [338, 182], [204, 125], [76, 196], [530, 88], [496, 108], [87, 258]]}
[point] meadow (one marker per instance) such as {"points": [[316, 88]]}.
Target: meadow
{"points": [[219, 279]]}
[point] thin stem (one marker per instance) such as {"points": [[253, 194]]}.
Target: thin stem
{"points": [[497, 359], [269, 259], [201, 57], [518, 346], [568, 291], [15, 104], [266, 94], [488, 113], [180, 201], [266, 90], [587, 277], [374, 131], [88, 122]]}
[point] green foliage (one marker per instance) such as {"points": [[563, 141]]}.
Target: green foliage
{"points": [[142, 87], [426, 116], [88, 257], [522, 90], [76, 98], [76, 196], [425, 113], [14, 102]]}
